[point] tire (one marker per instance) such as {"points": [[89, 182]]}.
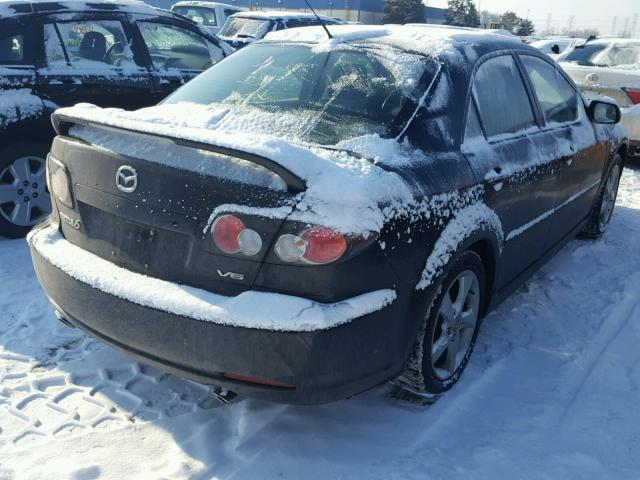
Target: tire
{"points": [[606, 201], [24, 196], [430, 369]]}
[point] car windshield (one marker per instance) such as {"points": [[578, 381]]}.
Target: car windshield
{"points": [[201, 15], [321, 97], [605, 55], [240, 27]]}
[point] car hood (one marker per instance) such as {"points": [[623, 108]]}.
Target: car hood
{"points": [[344, 190]]}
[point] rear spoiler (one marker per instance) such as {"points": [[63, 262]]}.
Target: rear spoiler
{"points": [[62, 124]]}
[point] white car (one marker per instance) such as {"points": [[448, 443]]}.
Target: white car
{"points": [[611, 68], [211, 15], [556, 46]]}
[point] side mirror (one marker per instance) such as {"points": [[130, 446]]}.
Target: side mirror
{"points": [[604, 112], [555, 49]]}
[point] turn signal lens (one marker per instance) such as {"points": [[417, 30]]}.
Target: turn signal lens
{"points": [[633, 94], [317, 246]]}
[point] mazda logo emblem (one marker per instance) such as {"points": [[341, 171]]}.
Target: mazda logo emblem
{"points": [[126, 179]]}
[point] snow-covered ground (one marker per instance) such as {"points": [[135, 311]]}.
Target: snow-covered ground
{"points": [[552, 392]]}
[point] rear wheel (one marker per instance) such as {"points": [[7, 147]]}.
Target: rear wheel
{"points": [[606, 201], [24, 197], [450, 327]]}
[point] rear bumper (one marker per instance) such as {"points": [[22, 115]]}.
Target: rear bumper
{"points": [[322, 365]]}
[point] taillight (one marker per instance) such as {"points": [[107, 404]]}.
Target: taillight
{"points": [[232, 236], [633, 94], [317, 246]]}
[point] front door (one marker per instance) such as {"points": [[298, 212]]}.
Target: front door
{"points": [[580, 156]]}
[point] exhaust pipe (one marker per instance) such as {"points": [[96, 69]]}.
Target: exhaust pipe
{"points": [[62, 319]]}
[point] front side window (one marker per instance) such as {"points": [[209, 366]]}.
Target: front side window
{"points": [[319, 97], [502, 99], [203, 16], [11, 48], [557, 98], [173, 47], [86, 44]]}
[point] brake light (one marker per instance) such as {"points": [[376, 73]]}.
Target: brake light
{"points": [[317, 246], [633, 94], [232, 236]]}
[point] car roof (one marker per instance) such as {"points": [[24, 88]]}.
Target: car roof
{"points": [[201, 3], [10, 8], [280, 15], [450, 45]]}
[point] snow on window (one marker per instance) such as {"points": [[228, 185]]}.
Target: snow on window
{"points": [[172, 47], [11, 49]]}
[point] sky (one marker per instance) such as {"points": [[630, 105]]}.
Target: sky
{"points": [[585, 13]]}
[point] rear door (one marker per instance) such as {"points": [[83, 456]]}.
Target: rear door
{"points": [[580, 157], [177, 52], [513, 157], [90, 59]]}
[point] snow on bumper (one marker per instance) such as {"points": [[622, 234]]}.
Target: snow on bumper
{"points": [[251, 309]]}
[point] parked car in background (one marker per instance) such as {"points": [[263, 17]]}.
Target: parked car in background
{"points": [[247, 27], [114, 54], [555, 46], [610, 67], [310, 218], [211, 15]]}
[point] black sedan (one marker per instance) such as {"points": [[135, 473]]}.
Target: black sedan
{"points": [[53, 54], [312, 217]]}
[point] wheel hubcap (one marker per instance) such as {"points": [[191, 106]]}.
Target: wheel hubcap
{"points": [[455, 324], [609, 197], [24, 198]]}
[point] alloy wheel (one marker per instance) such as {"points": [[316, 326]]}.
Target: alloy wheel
{"points": [[455, 324], [24, 197], [609, 196]]}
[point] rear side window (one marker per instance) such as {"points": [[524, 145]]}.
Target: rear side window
{"points": [[501, 96], [99, 44], [11, 48], [173, 47], [557, 98]]}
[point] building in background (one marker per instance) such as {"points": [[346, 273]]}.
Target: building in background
{"points": [[364, 11]]}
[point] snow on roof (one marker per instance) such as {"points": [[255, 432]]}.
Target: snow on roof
{"points": [[10, 8], [278, 14], [434, 42], [614, 41], [202, 3]]}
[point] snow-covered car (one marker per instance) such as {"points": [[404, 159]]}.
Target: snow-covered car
{"points": [[114, 54], [244, 28], [310, 217], [211, 15], [555, 46], [610, 67]]}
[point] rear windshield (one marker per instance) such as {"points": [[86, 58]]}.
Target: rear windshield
{"points": [[239, 27], [320, 97], [599, 55]]}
